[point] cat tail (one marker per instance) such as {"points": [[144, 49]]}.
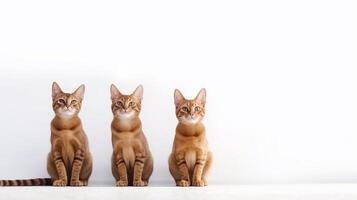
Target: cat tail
{"points": [[27, 182]]}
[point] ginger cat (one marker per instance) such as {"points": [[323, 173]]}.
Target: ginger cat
{"points": [[69, 162], [190, 159], [132, 162]]}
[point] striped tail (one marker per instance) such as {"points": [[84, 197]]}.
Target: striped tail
{"points": [[27, 182]]}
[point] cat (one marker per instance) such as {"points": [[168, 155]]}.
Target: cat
{"points": [[69, 158], [132, 162], [190, 159], [69, 162]]}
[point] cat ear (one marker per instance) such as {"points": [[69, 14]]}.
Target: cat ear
{"points": [[55, 89], [179, 98], [201, 96], [80, 91], [138, 93], [114, 92]]}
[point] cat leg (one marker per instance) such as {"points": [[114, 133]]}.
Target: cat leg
{"points": [[207, 168], [148, 168], [76, 168], [114, 168], [86, 169], [199, 165], [184, 175], [51, 168], [140, 159], [60, 169], [174, 169], [121, 170]]}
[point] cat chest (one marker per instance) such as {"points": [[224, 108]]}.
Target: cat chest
{"points": [[190, 147], [126, 144], [69, 142], [128, 156], [190, 158], [67, 137]]}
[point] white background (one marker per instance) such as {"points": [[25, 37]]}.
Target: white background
{"points": [[280, 77]]}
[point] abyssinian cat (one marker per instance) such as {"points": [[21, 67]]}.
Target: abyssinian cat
{"points": [[69, 162], [132, 162], [190, 159]]}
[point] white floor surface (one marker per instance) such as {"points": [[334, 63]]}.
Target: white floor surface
{"points": [[214, 192]]}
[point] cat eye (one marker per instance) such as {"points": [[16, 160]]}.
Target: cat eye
{"points": [[185, 109], [61, 101], [131, 104], [197, 108], [74, 102], [120, 104]]}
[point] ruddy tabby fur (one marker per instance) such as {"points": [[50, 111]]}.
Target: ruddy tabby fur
{"points": [[190, 159], [69, 162], [132, 162]]}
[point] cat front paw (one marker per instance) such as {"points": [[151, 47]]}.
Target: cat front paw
{"points": [[139, 183], [122, 183], [59, 183], [77, 183], [198, 183], [183, 183]]}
